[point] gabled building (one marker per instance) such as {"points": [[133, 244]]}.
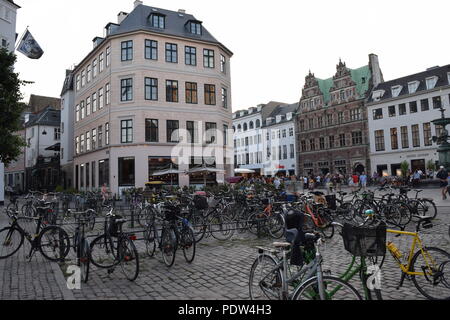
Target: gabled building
{"points": [[400, 113], [67, 131], [331, 123]]}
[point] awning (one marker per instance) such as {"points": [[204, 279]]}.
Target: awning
{"points": [[55, 147]]}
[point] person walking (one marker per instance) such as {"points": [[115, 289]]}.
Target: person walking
{"points": [[363, 181], [442, 175]]}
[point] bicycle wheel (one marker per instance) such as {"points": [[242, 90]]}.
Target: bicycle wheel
{"points": [[103, 252], [90, 216], [265, 280], [257, 223], [198, 225], [83, 260], [426, 208], [333, 289], [150, 238], [129, 258], [54, 243], [435, 264], [406, 212], [221, 227], [168, 246], [275, 225], [187, 243], [11, 239], [325, 226]]}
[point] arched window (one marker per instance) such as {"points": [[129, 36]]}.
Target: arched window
{"points": [[239, 128], [234, 129], [245, 127], [251, 125], [258, 123]]}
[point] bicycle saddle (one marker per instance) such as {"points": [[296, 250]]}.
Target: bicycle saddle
{"points": [[120, 221], [281, 245], [343, 193], [312, 236]]}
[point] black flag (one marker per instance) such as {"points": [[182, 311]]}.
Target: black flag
{"points": [[29, 47]]}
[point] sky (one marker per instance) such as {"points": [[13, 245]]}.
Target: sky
{"points": [[275, 43]]}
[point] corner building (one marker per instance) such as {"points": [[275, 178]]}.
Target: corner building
{"points": [[156, 81]]}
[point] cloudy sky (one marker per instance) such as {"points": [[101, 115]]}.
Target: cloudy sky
{"points": [[275, 43]]}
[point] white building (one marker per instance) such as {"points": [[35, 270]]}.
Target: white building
{"points": [[264, 139], [67, 131], [401, 112], [8, 14]]}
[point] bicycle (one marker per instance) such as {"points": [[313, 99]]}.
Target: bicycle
{"points": [[81, 246], [53, 242], [115, 247]]}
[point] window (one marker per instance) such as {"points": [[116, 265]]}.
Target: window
{"points": [[402, 109], [108, 56], [100, 137], [340, 117], [89, 73], [56, 134], [292, 151], [225, 135], [258, 123], [208, 58], [108, 95], [101, 65], [78, 82], [83, 78], [151, 130], [291, 132], [126, 171], [320, 122], [195, 27], [107, 133], [172, 131], [405, 139], [171, 53], [391, 111], [357, 138], [379, 140], [415, 135], [210, 130], [331, 142], [302, 125], [284, 152], [77, 145], [100, 98], [127, 50], [126, 131], [342, 142], [355, 114], [82, 143], [77, 113], [190, 56], [191, 92], [424, 105], [284, 133], [88, 106], [396, 91], [224, 98], [210, 94], [413, 107], [94, 102], [329, 119], [94, 138], [437, 103], [151, 89], [94, 67], [439, 130], [322, 143], [192, 129], [171, 91], [311, 124], [151, 49], [394, 139], [303, 145], [83, 111], [126, 86], [223, 64], [93, 174], [431, 82], [312, 145], [412, 86], [377, 114], [103, 172], [427, 134], [157, 21]]}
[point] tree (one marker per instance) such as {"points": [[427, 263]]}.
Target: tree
{"points": [[431, 165], [10, 108], [404, 167]]}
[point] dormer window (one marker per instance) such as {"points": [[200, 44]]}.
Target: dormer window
{"points": [[278, 119], [431, 82], [377, 95], [158, 20], [396, 91], [194, 27], [412, 86]]}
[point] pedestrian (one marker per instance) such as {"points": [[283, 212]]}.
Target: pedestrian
{"points": [[355, 179], [443, 176], [277, 183], [416, 178], [363, 181], [105, 195], [305, 183]]}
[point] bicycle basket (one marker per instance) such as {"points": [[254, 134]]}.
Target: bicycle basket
{"points": [[171, 212], [113, 227], [200, 202], [365, 241], [331, 201]]}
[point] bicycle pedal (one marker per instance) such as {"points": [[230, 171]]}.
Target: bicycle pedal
{"points": [[327, 272]]}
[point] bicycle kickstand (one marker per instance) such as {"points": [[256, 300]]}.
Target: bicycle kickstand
{"points": [[402, 279], [30, 254]]}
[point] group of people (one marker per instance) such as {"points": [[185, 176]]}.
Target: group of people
{"points": [[334, 182]]}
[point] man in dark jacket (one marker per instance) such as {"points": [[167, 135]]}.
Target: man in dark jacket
{"points": [[442, 175]]}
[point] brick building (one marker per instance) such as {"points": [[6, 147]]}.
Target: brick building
{"points": [[331, 122]]}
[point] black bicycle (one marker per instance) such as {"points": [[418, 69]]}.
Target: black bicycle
{"points": [[81, 246], [52, 241]]}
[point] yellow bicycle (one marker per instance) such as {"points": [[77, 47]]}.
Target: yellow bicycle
{"points": [[428, 268]]}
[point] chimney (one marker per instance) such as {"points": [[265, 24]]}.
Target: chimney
{"points": [[121, 16], [182, 11], [137, 2], [374, 65]]}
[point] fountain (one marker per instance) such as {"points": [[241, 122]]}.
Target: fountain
{"points": [[442, 141]]}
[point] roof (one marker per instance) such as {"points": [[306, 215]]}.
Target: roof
{"points": [[12, 2], [282, 110], [175, 24], [357, 76], [48, 117], [39, 103], [68, 82], [440, 72]]}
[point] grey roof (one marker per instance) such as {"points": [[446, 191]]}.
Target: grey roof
{"points": [[175, 24], [282, 110], [68, 82], [440, 72], [12, 2], [48, 117]]}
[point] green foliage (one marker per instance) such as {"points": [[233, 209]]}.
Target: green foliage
{"points": [[431, 165], [59, 189], [10, 108], [404, 167]]}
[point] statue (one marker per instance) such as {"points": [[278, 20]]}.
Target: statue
{"points": [[442, 140]]}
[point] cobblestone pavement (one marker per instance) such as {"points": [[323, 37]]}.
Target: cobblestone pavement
{"points": [[220, 271]]}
